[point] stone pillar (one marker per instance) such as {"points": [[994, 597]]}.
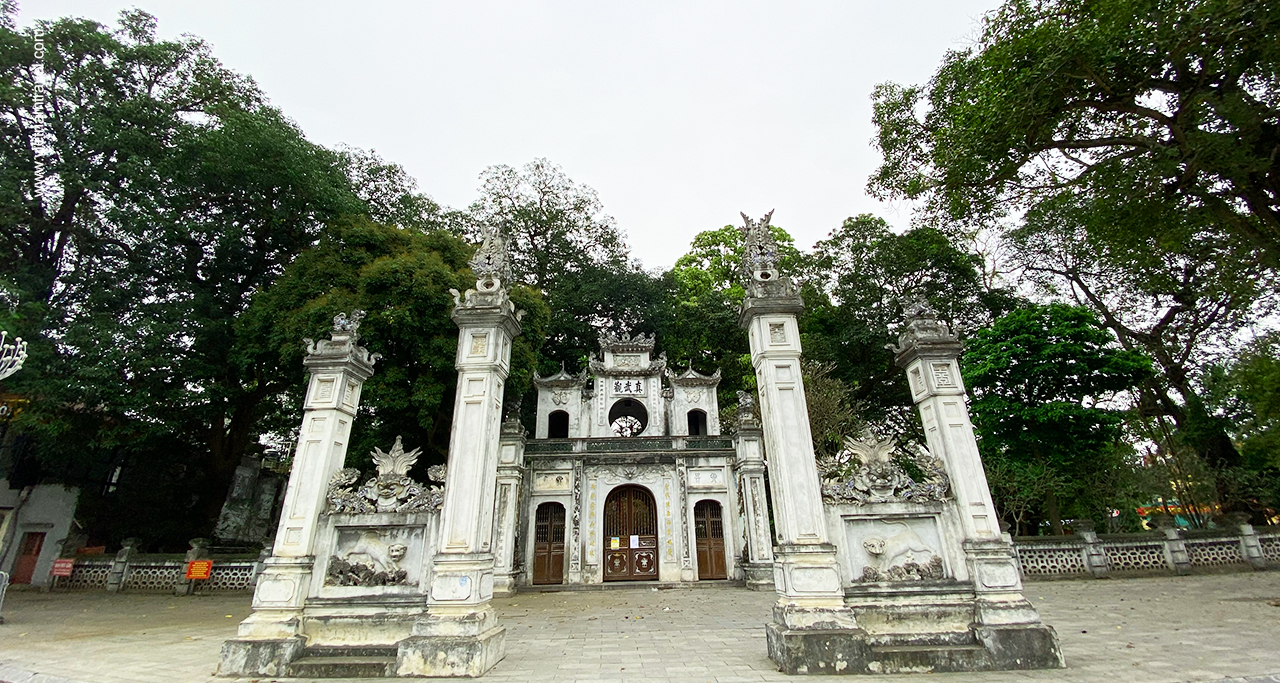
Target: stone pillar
{"points": [[810, 613], [1250, 546], [749, 443], [929, 352], [199, 550], [120, 566], [271, 637], [460, 636], [1095, 556], [1175, 547], [507, 512]]}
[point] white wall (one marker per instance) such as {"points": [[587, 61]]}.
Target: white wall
{"points": [[49, 509]]}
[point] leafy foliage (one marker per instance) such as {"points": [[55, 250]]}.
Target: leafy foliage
{"points": [[1134, 103], [1037, 376]]}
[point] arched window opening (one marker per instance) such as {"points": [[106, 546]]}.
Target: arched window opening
{"points": [[558, 425], [697, 422], [628, 417]]}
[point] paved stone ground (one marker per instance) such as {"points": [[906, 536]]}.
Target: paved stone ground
{"points": [[1157, 630]]}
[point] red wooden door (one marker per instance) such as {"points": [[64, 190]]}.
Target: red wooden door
{"points": [[28, 554], [630, 535], [708, 530], [548, 544]]}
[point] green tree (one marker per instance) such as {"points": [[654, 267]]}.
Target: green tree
{"points": [[1180, 299], [1135, 103], [564, 245], [858, 281], [146, 194], [1245, 392], [699, 323], [401, 278], [1037, 377]]}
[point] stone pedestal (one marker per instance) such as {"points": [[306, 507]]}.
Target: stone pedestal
{"points": [[460, 636], [270, 638], [812, 628], [1005, 624]]}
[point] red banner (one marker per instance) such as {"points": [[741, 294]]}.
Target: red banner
{"points": [[199, 570], [62, 567]]}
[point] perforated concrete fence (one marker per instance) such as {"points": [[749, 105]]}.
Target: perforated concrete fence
{"points": [[1087, 554], [152, 575]]}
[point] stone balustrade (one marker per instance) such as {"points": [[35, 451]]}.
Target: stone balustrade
{"points": [[1164, 551], [142, 573]]}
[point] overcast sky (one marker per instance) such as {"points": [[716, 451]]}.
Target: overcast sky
{"points": [[680, 114]]}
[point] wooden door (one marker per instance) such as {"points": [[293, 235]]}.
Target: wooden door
{"points": [[708, 528], [548, 544], [630, 535], [28, 554]]}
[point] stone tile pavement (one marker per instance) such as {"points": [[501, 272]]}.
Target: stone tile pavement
{"points": [[1153, 630]]}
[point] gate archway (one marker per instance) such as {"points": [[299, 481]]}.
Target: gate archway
{"points": [[630, 535]]}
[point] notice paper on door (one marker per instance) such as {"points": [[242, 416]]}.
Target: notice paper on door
{"points": [[635, 541], [615, 542]]}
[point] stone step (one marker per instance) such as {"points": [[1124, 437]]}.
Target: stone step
{"points": [[350, 651], [926, 658], [333, 666]]}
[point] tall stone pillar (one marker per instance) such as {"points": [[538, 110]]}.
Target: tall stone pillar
{"points": [[1005, 621], [460, 636], [507, 511], [810, 620], [271, 637], [749, 443]]}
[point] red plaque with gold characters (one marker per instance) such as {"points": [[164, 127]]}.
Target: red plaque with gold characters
{"points": [[199, 570]]}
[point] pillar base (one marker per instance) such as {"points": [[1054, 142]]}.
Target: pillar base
{"points": [[759, 576], [852, 651], [504, 585], [259, 657], [468, 656]]}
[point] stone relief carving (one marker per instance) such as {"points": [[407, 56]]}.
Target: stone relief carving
{"points": [[392, 490], [622, 474], [575, 549], [759, 267], [344, 335], [865, 471], [491, 262], [922, 325], [369, 561], [681, 471], [900, 557]]}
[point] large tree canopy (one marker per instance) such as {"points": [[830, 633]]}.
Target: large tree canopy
{"points": [[1135, 102], [1037, 376], [860, 279]]}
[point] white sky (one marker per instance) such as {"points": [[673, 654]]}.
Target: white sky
{"points": [[680, 114]]}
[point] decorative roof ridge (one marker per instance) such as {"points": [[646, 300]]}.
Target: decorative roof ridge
{"points": [[639, 342], [692, 377], [561, 378]]}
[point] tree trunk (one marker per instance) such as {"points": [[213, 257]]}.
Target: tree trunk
{"points": [[1055, 514]]}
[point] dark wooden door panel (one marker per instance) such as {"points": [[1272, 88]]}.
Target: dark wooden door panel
{"points": [[548, 544], [28, 554], [630, 535], [708, 528]]}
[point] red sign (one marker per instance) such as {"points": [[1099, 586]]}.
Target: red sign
{"points": [[62, 567], [199, 569]]}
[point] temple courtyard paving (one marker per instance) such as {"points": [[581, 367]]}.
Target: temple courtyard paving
{"points": [[1158, 630]]}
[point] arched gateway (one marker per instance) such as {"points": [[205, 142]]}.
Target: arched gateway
{"points": [[630, 535]]}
